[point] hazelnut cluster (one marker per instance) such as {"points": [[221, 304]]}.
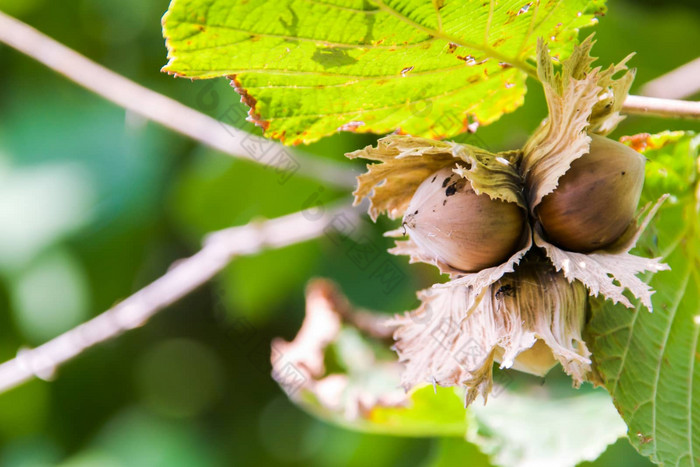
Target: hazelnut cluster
{"points": [[524, 235], [594, 203]]}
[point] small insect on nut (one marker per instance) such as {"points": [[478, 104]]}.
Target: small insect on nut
{"points": [[596, 199], [450, 222]]}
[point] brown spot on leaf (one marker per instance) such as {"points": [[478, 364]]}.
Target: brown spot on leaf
{"points": [[406, 70], [524, 9], [251, 102], [468, 59], [451, 47]]}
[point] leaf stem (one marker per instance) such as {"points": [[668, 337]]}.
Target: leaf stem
{"points": [[182, 277]]}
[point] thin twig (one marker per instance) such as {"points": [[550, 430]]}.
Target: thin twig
{"points": [[163, 110], [183, 277], [679, 83], [667, 108]]}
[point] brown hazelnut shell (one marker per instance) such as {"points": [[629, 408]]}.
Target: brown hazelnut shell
{"points": [[596, 199], [468, 231]]}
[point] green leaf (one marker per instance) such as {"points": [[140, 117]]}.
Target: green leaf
{"points": [[427, 67], [450, 452], [521, 428], [648, 360]]}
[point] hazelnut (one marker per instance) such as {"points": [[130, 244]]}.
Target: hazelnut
{"points": [[596, 199], [468, 231]]}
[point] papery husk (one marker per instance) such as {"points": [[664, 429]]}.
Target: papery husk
{"points": [[580, 100], [406, 161], [455, 336]]}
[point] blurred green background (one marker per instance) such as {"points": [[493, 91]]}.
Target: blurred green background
{"points": [[96, 203]]}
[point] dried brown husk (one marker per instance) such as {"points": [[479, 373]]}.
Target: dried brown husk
{"points": [[456, 335]]}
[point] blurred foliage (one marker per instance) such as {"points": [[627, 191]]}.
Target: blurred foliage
{"points": [[95, 203]]}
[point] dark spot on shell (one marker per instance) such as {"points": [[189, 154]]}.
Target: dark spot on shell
{"points": [[431, 181], [455, 187], [444, 202], [415, 212], [446, 181], [623, 173]]}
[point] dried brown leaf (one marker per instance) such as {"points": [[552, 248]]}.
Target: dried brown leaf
{"points": [[299, 366]]}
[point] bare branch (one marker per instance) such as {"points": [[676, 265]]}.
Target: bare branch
{"points": [[162, 109], [667, 108], [680, 83], [183, 277]]}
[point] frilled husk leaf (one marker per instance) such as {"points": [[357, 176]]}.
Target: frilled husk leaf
{"points": [[612, 270], [454, 337], [580, 100], [406, 161]]}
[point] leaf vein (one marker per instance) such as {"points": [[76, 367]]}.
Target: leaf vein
{"points": [[361, 46]]}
